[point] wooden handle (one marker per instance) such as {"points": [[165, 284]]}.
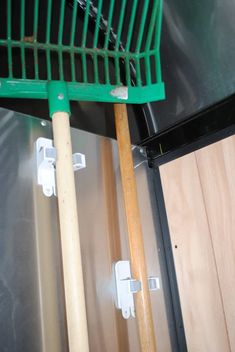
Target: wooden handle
{"points": [[69, 232], [138, 265]]}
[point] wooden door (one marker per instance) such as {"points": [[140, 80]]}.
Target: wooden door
{"points": [[199, 192]]}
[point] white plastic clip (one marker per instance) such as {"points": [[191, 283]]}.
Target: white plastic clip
{"points": [[79, 161], [126, 287], [46, 158], [154, 283]]}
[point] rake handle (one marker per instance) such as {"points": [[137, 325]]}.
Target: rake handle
{"points": [[136, 245], [69, 232]]}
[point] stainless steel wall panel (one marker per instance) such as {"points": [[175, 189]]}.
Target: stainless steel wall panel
{"points": [[31, 293], [197, 55], [31, 282]]}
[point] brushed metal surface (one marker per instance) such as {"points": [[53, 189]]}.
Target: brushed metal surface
{"points": [[31, 291], [31, 300]]}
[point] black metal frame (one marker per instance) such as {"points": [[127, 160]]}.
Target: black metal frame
{"points": [[199, 129], [168, 275]]}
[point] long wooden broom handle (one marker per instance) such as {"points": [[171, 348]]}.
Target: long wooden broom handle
{"points": [[138, 264], [69, 232]]}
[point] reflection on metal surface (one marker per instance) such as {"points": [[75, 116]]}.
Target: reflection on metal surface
{"points": [[31, 282], [198, 57], [31, 300]]}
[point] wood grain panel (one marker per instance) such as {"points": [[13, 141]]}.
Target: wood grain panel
{"points": [[202, 308], [216, 165]]}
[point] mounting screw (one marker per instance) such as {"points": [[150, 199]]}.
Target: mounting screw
{"points": [[143, 151], [60, 96], [43, 123]]}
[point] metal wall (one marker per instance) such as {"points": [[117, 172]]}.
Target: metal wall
{"points": [[197, 55], [31, 293]]}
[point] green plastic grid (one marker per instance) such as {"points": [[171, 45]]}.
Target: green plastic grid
{"points": [[132, 50]]}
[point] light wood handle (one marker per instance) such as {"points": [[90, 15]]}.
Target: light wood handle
{"points": [[69, 232], [138, 264]]}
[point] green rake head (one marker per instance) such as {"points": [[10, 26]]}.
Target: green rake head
{"points": [[101, 50]]}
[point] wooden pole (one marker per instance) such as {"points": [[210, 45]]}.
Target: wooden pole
{"points": [[138, 264], [69, 232]]}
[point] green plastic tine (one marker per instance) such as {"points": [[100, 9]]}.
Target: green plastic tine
{"points": [[97, 24], [48, 24], [117, 71], [157, 43], [152, 25], [158, 26], [96, 71], [84, 68], [35, 34], [72, 40], [158, 67], [73, 73], [148, 69], [60, 39], [106, 69], [120, 24], [22, 35], [138, 72], [118, 39], [106, 42], [9, 8], [35, 20], [61, 22], [22, 20], [48, 36], [74, 22], [131, 25], [109, 24], [95, 41], [9, 19], [84, 38], [85, 25], [127, 68], [142, 25]]}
